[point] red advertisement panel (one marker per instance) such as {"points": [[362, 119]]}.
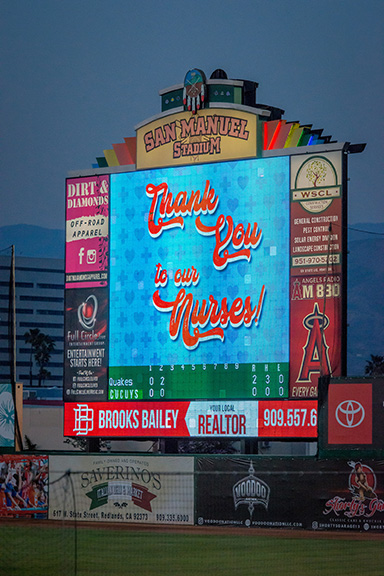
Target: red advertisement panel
{"points": [[288, 419], [316, 271], [350, 414], [315, 332], [264, 419], [126, 419]]}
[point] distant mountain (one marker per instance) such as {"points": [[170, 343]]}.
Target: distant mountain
{"points": [[365, 281], [33, 241]]}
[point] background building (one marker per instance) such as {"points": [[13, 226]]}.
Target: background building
{"points": [[39, 305]]}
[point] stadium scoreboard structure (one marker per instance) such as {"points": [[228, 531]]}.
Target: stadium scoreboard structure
{"points": [[205, 274]]}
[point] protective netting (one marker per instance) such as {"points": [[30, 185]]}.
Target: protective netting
{"points": [[71, 542]]}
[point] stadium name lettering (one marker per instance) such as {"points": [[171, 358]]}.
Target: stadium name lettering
{"points": [[179, 130]]}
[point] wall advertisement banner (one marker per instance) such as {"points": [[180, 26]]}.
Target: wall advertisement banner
{"points": [[316, 271], [230, 419], [23, 486], [87, 230], [133, 489], [290, 493], [7, 420]]}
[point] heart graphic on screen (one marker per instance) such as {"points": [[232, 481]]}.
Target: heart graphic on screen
{"points": [[129, 255], [242, 269], [129, 296], [130, 213], [162, 338], [242, 356], [243, 182], [233, 291], [232, 335], [232, 204], [129, 338], [138, 317], [139, 275], [139, 233]]}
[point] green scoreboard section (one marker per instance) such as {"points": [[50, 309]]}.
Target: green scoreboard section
{"points": [[199, 381]]}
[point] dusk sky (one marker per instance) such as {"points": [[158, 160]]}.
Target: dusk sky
{"points": [[78, 76]]}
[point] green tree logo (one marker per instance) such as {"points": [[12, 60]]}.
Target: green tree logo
{"points": [[316, 172]]}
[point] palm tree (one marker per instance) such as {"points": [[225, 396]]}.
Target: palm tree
{"points": [[375, 366], [42, 346], [32, 338]]}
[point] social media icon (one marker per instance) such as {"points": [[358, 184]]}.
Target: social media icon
{"points": [[91, 256], [81, 254]]}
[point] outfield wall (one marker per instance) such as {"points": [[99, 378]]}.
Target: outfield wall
{"points": [[244, 491]]}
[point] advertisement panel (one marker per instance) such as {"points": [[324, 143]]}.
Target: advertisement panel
{"points": [[241, 419], [290, 493], [133, 489], [352, 417], [86, 344], [199, 280], [350, 414], [87, 221], [212, 135], [23, 486], [7, 420], [316, 271]]}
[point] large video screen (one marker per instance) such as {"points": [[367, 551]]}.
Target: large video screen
{"points": [[199, 282]]}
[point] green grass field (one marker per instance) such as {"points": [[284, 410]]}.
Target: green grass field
{"points": [[50, 551]]}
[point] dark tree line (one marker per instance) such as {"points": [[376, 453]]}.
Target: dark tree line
{"points": [[375, 366]]}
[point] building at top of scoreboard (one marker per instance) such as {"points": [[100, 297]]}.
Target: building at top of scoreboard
{"points": [[207, 120]]}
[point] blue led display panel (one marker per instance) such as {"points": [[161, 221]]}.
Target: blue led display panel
{"points": [[199, 281]]}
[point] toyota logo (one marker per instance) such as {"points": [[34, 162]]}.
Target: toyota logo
{"points": [[350, 413]]}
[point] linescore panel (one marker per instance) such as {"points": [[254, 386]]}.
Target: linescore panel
{"points": [[206, 380]]}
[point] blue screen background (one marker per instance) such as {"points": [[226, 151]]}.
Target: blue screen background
{"points": [[248, 190]]}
